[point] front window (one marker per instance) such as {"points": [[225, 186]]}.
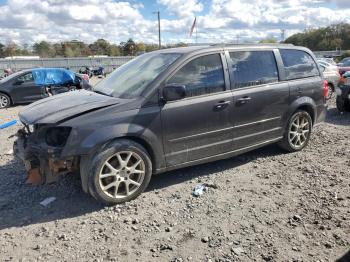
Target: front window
{"points": [[26, 78], [203, 75], [132, 78]]}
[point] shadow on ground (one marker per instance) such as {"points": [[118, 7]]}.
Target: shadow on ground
{"points": [[337, 118], [19, 203]]}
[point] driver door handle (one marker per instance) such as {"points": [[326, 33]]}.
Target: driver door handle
{"points": [[222, 104], [244, 100]]}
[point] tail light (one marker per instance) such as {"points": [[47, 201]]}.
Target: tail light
{"points": [[325, 88]]}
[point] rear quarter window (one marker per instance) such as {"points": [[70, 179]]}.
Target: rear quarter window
{"points": [[298, 64]]}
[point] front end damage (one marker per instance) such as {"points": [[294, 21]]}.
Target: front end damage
{"points": [[40, 147]]}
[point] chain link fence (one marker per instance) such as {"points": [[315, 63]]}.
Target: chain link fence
{"points": [[74, 64]]}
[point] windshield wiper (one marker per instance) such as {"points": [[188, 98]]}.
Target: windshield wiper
{"points": [[101, 93]]}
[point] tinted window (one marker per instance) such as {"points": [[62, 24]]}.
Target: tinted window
{"points": [[298, 64], [26, 78], [203, 75], [252, 68]]}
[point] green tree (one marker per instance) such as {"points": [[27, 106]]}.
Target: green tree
{"points": [[114, 50], [44, 49], [10, 49], [2, 50], [324, 38], [100, 47], [270, 40], [68, 52], [129, 48]]}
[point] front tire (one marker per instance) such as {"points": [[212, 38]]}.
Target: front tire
{"points": [[5, 101], [120, 172], [298, 132]]}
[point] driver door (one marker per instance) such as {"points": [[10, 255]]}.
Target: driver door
{"points": [[25, 89], [199, 125]]}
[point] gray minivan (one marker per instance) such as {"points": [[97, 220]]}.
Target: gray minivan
{"points": [[173, 108]]}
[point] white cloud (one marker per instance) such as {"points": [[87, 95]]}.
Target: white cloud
{"points": [[27, 21], [182, 8]]}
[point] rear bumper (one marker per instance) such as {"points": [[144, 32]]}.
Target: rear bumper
{"points": [[42, 163]]}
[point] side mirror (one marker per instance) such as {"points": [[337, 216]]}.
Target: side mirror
{"points": [[173, 92], [19, 82]]}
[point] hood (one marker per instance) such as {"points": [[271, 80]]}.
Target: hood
{"points": [[65, 106]]}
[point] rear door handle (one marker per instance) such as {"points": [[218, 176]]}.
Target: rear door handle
{"points": [[244, 100], [222, 104]]}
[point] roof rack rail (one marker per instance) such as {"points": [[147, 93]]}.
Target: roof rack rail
{"points": [[251, 44]]}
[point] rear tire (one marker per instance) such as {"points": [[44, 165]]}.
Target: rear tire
{"points": [[120, 172], [5, 101], [298, 132]]}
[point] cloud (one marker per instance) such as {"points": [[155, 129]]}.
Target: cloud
{"points": [[27, 21], [182, 8]]}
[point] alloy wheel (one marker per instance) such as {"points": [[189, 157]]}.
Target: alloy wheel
{"points": [[4, 101], [122, 174], [299, 131]]}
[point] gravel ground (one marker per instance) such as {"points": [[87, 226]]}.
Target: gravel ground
{"points": [[262, 206]]}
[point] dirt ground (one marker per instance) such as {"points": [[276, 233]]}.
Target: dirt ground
{"points": [[265, 205]]}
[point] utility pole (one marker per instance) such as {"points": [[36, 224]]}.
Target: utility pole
{"points": [[159, 39], [283, 34], [237, 38]]}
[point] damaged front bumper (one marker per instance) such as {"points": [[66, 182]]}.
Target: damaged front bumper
{"points": [[43, 163]]}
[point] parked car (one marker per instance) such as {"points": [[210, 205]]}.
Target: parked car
{"points": [[331, 74], [33, 84], [344, 67], [343, 93], [327, 60], [173, 108], [100, 71], [344, 60]]}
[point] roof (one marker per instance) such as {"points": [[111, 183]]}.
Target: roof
{"points": [[193, 48]]}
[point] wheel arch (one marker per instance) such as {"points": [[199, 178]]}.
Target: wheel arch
{"points": [[141, 141], [6, 93], [308, 109]]}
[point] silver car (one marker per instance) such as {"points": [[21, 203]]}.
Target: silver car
{"points": [[331, 74]]}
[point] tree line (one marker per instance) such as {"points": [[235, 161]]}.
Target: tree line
{"points": [[334, 37], [321, 39], [76, 48]]}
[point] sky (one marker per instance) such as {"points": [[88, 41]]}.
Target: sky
{"points": [[29, 21]]}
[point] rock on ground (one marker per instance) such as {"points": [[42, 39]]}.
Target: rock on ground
{"points": [[266, 206]]}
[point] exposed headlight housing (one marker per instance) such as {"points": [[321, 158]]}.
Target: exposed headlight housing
{"points": [[57, 136]]}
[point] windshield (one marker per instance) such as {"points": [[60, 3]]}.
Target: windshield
{"points": [[132, 78]]}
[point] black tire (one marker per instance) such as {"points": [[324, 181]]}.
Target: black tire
{"points": [[98, 164], [342, 104], [286, 142], [5, 101]]}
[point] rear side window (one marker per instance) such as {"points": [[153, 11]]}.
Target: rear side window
{"points": [[203, 75], [298, 64], [251, 68]]}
